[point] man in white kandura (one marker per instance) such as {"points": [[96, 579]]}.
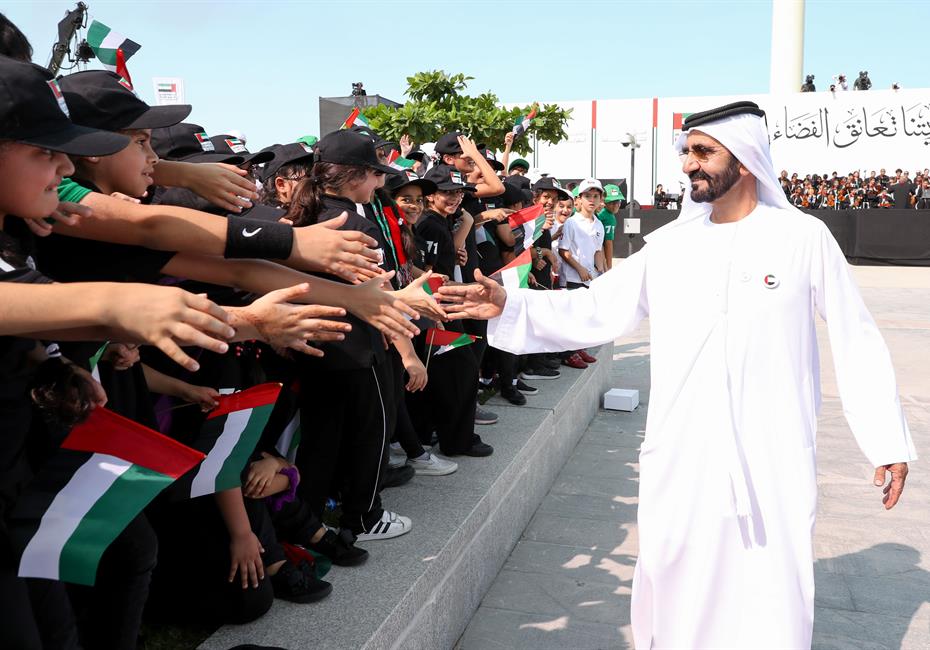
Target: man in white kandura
{"points": [[728, 488]]}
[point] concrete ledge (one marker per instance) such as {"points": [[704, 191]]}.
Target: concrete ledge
{"points": [[420, 590]]}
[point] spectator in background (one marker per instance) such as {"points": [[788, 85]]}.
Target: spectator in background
{"points": [[923, 203], [660, 200], [902, 191]]}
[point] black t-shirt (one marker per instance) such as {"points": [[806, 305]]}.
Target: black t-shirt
{"points": [[439, 247], [16, 372], [69, 259], [363, 346]]}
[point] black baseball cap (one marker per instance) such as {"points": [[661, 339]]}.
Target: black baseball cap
{"points": [[521, 182], [104, 100], [550, 183], [349, 147], [512, 194], [377, 139], [285, 154], [189, 143], [233, 146], [448, 178], [417, 154], [448, 143], [33, 111], [397, 182], [496, 165]]}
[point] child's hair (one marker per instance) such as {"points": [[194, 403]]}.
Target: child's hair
{"points": [[269, 193], [13, 43], [306, 203]]}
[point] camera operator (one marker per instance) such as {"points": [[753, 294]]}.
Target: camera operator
{"points": [[808, 85], [862, 82], [660, 199]]}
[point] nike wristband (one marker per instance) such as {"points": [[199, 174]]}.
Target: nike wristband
{"points": [[255, 239]]}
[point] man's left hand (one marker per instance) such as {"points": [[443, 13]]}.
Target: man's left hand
{"points": [[892, 491]]}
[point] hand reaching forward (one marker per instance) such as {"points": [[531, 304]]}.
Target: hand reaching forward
{"points": [[892, 491], [482, 300]]}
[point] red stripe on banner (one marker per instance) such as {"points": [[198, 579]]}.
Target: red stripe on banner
{"points": [[593, 113], [250, 398], [676, 120], [106, 432], [393, 221], [655, 112], [520, 217]]}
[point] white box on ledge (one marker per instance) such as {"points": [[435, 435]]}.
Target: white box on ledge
{"points": [[621, 399]]}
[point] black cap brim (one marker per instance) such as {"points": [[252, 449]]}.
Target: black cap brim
{"points": [[451, 187], [213, 158], [386, 169], [160, 117], [76, 140], [259, 157], [428, 187]]}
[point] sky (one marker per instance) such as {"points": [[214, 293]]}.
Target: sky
{"points": [[261, 67]]}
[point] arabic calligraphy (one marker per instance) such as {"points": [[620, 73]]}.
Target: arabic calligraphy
{"points": [[853, 124]]}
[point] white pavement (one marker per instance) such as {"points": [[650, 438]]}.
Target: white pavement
{"points": [[567, 582]]}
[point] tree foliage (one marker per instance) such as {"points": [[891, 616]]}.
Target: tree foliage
{"points": [[437, 104]]}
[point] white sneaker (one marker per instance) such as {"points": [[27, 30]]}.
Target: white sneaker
{"points": [[396, 457], [390, 525], [433, 465]]}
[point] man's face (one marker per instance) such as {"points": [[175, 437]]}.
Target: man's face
{"points": [[518, 171], [711, 167], [613, 207], [882, 172]]}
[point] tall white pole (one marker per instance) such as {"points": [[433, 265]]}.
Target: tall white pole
{"points": [[787, 55]]}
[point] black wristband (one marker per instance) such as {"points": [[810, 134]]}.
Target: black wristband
{"points": [[252, 238]]}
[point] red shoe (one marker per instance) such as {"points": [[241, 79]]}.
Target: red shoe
{"points": [[587, 358], [574, 361]]}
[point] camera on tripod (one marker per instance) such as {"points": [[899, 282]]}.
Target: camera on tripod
{"points": [[358, 89]]}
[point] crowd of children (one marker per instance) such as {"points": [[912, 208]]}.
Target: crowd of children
{"points": [[152, 271]]}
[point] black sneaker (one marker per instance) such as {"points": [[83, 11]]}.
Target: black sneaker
{"points": [[540, 373], [298, 584], [552, 363], [479, 449], [513, 396], [397, 476], [340, 548], [526, 389], [485, 417]]}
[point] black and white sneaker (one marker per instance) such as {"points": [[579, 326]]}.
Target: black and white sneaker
{"points": [[390, 525], [526, 389]]}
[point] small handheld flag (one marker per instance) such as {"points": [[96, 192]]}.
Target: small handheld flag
{"points": [[107, 470], [447, 340], [432, 285], [531, 220], [111, 48], [356, 118], [516, 275], [523, 122]]}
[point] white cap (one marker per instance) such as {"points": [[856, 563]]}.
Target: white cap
{"points": [[587, 184]]}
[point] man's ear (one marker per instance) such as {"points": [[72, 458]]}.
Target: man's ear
{"points": [[93, 160]]}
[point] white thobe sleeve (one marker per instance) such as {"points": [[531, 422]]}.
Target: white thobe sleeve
{"points": [[554, 321], [864, 373]]}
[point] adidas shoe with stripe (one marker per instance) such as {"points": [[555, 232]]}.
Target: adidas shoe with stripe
{"points": [[390, 525]]}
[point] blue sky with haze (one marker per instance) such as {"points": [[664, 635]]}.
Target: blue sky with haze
{"points": [[261, 67]]}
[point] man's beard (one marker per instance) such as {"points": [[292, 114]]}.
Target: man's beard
{"points": [[717, 185]]}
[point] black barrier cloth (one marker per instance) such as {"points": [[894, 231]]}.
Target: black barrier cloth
{"points": [[877, 237]]}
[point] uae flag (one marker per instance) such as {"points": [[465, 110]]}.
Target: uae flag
{"points": [[432, 285], [111, 48], [678, 120], [228, 438], [107, 470], [523, 122], [516, 274], [355, 119], [444, 340], [531, 220]]}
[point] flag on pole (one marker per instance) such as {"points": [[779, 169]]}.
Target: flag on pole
{"points": [[111, 48], [531, 220], [523, 122], [107, 470], [398, 162], [228, 437], [444, 340], [356, 118], [516, 274]]}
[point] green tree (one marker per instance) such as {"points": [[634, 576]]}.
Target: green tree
{"points": [[437, 104]]}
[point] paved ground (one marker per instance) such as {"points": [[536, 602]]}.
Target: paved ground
{"points": [[567, 582]]}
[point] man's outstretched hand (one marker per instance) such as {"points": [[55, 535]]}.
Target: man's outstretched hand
{"points": [[892, 491], [482, 300]]}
